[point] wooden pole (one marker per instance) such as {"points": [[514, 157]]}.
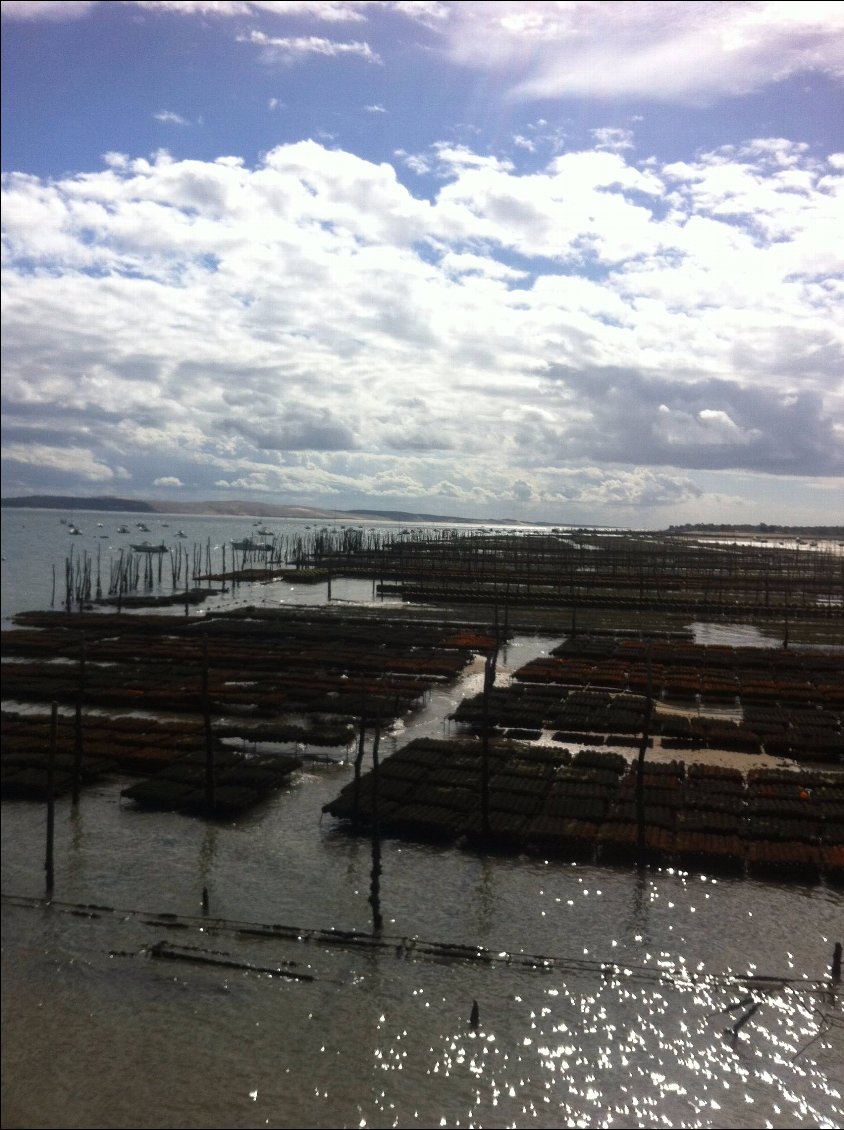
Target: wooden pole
{"points": [[51, 799], [640, 763], [77, 728], [209, 736], [489, 682]]}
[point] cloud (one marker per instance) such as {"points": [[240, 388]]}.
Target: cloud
{"points": [[56, 11], [332, 11], [429, 12], [667, 51], [171, 117], [69, 462], [375, 108], [301, 428], [712, 424], [613, 137], [168, 481], [593, 336], [288, 49]]}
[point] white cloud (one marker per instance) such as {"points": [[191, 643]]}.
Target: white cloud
{"points": [[171, 117], [76, 462], [430, 12], [332, 11], [168, 481], [613, 137], [375, 108], [50, 10], [667, 50], [523, 142], [198, 7], [586, 336], [290, 48]]}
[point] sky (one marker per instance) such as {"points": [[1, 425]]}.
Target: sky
{"points": [[576, 262]]}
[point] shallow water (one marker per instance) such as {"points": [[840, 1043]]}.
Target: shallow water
{"points": [[605, 1005], [98, 1033]]}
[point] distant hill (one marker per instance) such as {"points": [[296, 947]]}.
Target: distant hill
{"points": [[66, 502], [236, 509]]}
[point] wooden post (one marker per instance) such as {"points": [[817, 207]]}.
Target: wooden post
{"points": [[209, 736], [77, 729], [640, 764], [51, 799], [489, 682]]}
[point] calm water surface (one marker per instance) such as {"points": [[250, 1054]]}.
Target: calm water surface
{"points": [[619, 1020]]}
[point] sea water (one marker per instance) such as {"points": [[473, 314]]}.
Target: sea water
{"points": [[606, 996]]}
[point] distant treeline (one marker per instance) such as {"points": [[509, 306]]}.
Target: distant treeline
{"points": [[763, 530], [67, 502]]}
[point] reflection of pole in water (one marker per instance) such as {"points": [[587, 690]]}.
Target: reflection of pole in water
{"points": [[639, 910], [375, 876], [207, 852], [359, 763], [486, 894]]}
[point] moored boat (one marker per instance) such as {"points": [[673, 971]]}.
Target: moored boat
{"points": [[145, 547], [248, 545]]}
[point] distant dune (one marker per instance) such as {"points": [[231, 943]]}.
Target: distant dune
{"points": [[235, 509]]}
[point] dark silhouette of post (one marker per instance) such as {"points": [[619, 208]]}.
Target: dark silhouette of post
{"points": [[209, 735], [489, 682], [640, 762], [77, 728], [51, 797]]}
